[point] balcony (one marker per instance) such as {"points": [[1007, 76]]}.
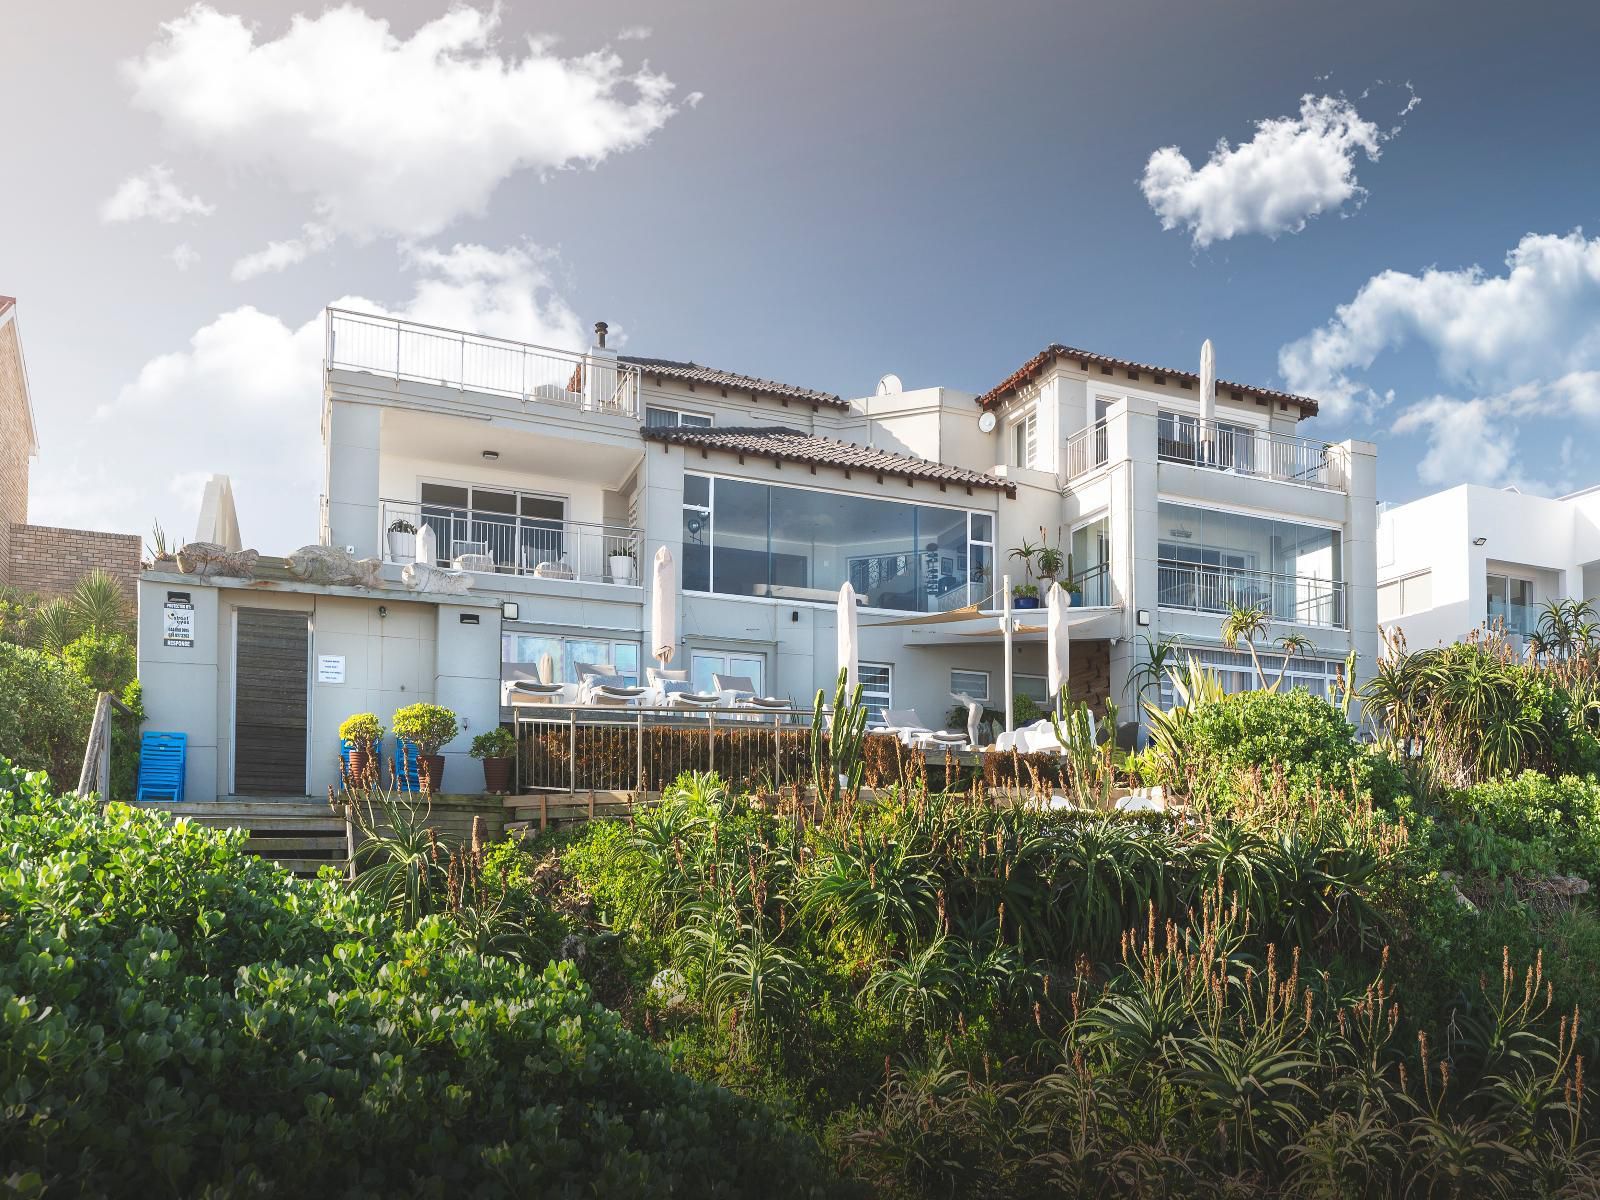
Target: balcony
{"points": [[413, 352], [502, 543], [1087, 450], [1254, 452], [1514, 618], [1292, 599]]}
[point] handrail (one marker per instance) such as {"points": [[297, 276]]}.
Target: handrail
{"points": [[518, 544], [1087, 450], [95, 776], [1298, 599], [401, 349], [1263, 453]]}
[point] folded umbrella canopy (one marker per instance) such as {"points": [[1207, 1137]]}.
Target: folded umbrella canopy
{"points": [[663, 608], [1059, 649], [848, 651]]}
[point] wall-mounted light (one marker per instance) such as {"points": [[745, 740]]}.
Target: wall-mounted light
{"points": [[383, 611], [795, 615], [1478, 541], [491, 455], [469, 618], [1143, 617], [509, 610]]}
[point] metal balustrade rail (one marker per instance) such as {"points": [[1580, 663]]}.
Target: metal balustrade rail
{"points": [[409, 350], [1086, 450], [509, 544], [1290, 598], [562, 748], [1257, 452]]}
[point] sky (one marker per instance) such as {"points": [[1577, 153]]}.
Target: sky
{"points": [[1392, 208]]}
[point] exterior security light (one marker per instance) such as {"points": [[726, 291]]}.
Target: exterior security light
{"points": [[491, 455], [1478, 541], [1143, 617], [509, 610]]}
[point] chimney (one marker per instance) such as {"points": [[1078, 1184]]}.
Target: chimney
{"points": [[600, 334]]}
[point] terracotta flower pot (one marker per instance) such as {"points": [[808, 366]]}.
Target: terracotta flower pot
{"points": [[356, 772], [497, 775], [432, 772]]}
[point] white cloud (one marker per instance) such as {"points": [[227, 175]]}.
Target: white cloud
{"points": [[1539, 321], [152, 195], [389, 135], [1295, 168], [243, 397], [275, 256], [634, 33], [184, 256]]}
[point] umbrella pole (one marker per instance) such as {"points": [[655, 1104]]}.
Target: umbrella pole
{"points": [[1005, 623]]}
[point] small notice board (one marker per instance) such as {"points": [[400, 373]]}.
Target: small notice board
{"points": [[330, 668], [177, 624]]}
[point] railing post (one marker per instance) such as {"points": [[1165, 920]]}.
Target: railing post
{"points": [[639, 780], [572, 752], [711, 740]]}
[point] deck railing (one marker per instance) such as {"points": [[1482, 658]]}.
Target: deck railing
{"points": [[409, 350], [509, 544], [563, 748], [1288, 598], [1256, 452], [1086, 450]]}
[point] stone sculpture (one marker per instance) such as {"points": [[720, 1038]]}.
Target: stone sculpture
{"points": [[424, 577], [332, 566], [206, 559]]}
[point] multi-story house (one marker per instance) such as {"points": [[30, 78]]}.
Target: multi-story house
{"points": [[551, 479], [558, 476], [1474, 557]]}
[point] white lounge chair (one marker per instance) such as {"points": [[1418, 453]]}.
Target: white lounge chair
{"points": [[528, 691], [904, 724]]}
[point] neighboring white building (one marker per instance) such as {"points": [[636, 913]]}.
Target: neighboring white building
{"points": [[1470, 556], [544, 469]]}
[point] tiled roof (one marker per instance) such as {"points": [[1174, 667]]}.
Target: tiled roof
{"points": [[1036, 364], [728, 381], [790, 445]]}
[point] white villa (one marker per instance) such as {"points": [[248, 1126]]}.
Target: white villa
{"points": [[553, 478], [1470, 557]]}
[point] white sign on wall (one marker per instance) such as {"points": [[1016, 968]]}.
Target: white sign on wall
{"points": [[330, 668], [177, 624]]}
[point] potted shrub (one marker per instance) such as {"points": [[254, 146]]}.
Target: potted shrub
{"points": [[1074, 586], [622, 564], [429, 727], [402, 541], [496, 748], [363, 731], [1025, 595]]}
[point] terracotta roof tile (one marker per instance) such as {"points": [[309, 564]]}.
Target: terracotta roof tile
{"points": [[1025, 373], [689, 372], [791, 445]]}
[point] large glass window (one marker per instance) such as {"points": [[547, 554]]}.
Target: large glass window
{"points": [[877, 690], [755, 539], [1237, 673], [1091, 561], [705, 665], [518, 530], [558, 659], [1511, 604], [657, 418], [1211, 561]]}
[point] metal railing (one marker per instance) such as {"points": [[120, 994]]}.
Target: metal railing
{"points": [[1521, 619], [1256, 452], [509, 544], [571, 749], [1086, 450], [1291, 598], [1094, 586], [409, 350]]}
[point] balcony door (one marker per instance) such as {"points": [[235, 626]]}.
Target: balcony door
{"points": [[515, 530]]}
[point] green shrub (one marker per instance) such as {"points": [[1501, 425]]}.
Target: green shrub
{"points": [[45, 711], [1520, 824], [178, 1017], [106, 660], [362, 730], [494, 743], [429, 726]]}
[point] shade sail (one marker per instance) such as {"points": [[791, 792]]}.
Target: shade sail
{"points": [[663, 608], [848, 651], [968, 612]]}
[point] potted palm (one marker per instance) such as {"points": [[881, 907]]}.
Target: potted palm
{"points": [[402, 540], [622, 564], [363, 731], [496, 748], [1047, 562], [429, 727]]}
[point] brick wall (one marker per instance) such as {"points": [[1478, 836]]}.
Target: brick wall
{"points": [[50, 561], [14, 444]]}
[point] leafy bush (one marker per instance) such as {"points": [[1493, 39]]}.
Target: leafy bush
{"points": [[106, 660], [178, 1017], [45, 713], [494, 743], [362, 730], [429, 726]]}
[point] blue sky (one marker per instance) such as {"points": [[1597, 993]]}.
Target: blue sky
{"points": [[816, 193]]}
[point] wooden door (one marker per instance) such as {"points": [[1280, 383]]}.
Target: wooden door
{"points": [[270, 681]]}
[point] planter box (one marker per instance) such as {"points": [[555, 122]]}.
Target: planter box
{"points": [[621, 568], [402, 546]]}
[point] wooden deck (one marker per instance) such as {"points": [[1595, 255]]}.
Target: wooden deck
{"points": [[302, 835]]}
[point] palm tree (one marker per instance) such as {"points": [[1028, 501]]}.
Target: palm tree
{"points": [[54, 624], [1247, 624], [1291, 644], [100, 603]]}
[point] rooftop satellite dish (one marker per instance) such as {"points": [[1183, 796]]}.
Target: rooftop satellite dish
{"points": [[986, 423], [889, 385]]}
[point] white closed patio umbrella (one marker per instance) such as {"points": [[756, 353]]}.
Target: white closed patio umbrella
{"points": [[1208, 399], [663, 608], [1058, 648], [848, 648]]}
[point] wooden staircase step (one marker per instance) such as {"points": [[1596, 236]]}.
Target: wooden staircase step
{"points": [[273, 847]]}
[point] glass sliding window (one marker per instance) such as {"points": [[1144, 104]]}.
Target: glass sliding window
{"points": [[756, 539], [1211, 560], [1238, 674], [970, 683], [526, 656], [980, 557], [705, 665], [670, 417], [1091, 561], [517, 530], [1511, 604]]}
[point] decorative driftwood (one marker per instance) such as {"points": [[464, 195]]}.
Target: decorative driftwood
{"points": [[332, 566], [205, 559], [421, 577]]}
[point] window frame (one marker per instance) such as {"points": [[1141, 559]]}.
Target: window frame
{"points": [[703, 420], [972, 671], [876, 712]]}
